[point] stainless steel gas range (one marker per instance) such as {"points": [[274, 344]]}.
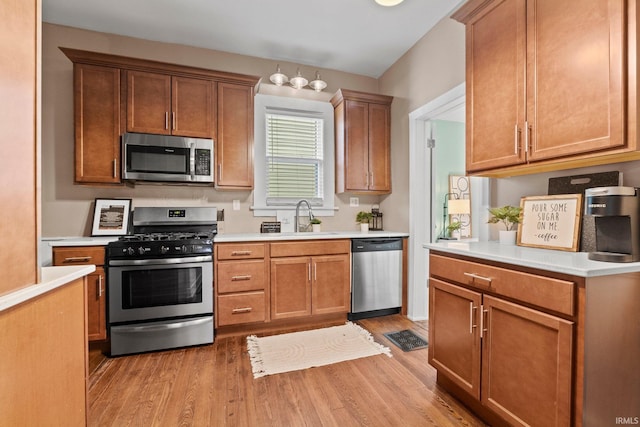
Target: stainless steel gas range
{"points": [[160, 280]]}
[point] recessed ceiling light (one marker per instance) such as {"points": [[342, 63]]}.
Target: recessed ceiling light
{"points": [[388, 2]]}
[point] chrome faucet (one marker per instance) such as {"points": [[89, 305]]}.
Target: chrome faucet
{"points": [[297, 227]]}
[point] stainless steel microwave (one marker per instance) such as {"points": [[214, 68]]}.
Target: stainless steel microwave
{"points": [[163, 158]]}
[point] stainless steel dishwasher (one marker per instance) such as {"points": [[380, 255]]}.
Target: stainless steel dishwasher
{"points": [[376, 277]]}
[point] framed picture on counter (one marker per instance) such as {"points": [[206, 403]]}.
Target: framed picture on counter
{"points": [[111, 217], [550, 222]]}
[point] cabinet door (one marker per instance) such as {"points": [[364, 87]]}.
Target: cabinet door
{"points": [[454, 336], [96, 305], [97, 124], [575, 76], [148, 102], [495, 55], [290, 287], [234, 145], [356, 145], [379, 148], [526, 364], [192, 107], [331, 280]]}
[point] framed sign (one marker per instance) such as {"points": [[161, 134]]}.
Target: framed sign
{"points": [[111, 217], [551, 222]]}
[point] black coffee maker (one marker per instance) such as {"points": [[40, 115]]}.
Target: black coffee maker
{"points": [[617, 223]]}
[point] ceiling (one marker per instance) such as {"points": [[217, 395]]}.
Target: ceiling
{"points": [[356, 36]]}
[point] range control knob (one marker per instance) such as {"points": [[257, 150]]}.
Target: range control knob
{"points": [[164, 249], [130, 251], [141, 250], [183, 249]]}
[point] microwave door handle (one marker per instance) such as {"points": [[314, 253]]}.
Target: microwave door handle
{"points": [[192, 160]]}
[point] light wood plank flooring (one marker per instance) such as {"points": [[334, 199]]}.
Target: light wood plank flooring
{"points": [[213, 386]]}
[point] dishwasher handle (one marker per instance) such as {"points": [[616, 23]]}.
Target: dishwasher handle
{"points": [[376, 244]]}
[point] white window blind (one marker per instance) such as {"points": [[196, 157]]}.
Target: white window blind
{"points": [[294, 159]]}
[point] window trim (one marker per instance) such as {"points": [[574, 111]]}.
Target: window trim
{"points": [[268, 104]]}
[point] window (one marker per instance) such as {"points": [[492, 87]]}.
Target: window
{"points": [[294, 159], [294, 155]]}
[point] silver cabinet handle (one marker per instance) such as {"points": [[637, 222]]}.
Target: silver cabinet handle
{"points": [[100, 286], [482, 322], [477, 276], [516, 139], [219, 171], [173, 120], [239, 253], [78, 259], [471, 312], [166, 120], [309, 270], [241, 310], [238, 278], [315, 271], [526, 137], [115, 168]]}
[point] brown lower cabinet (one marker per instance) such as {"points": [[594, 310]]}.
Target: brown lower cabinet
{"points": [[510, 358], [96, 285], [304, 286], [264, 283], [241, 283]]}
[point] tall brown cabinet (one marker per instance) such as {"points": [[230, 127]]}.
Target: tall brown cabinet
{"points": [[550, 85], [363, 142], [42, 339]]}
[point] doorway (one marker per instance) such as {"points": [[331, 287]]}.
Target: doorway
{"points": [[432, 160]]}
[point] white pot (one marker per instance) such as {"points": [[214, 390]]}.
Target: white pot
{"points": [[364, 227], [508, 237], [315, 228]]}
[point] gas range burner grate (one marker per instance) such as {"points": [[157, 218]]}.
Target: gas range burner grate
{"points": [[147, 237]]}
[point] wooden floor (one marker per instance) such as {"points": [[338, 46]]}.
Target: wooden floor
{"points": [[213, 386]]}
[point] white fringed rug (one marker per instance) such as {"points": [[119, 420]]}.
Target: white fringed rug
{"points": [[301, 350]]}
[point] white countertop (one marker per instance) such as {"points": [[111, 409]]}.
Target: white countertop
{"points": [[79, 241], [253, 237], [574, 263], [52, 278]]}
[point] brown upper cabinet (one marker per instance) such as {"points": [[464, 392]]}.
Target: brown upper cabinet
{"points": [[234, 145], [363, 142], [169, 105], [550, 85], [97, 124], [115, 94]]}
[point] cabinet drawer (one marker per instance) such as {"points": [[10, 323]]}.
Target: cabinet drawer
{"points": [[240, 251], [546, 292], [234, 309], [330, 247], [241, 276], [78, 255]]}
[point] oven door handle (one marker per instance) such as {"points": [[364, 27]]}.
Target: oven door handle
{"points": [[160, 261], [163, 327]]}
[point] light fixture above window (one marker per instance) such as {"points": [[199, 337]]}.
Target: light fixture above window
{"points": [[298, 82], [318, 84], [388, 2], [278, 78]]}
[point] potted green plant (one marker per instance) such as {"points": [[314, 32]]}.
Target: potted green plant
{"points": [[363, 219], [453, 227], [315, 224], [509, 216]]}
